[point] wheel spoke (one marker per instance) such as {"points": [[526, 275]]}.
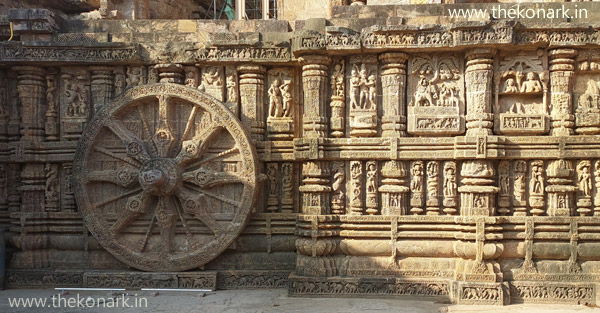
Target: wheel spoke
{"points": [[217, 197], [195, 205], [148, 232], [125, 177], [163, 137], [216, 156], [193, 148], [188, 233], [135, 147], [123, 158], [165, 219], [109, 200], [205, 178], [136, 206], [190, 122]]}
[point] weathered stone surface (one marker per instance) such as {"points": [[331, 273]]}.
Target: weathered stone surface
{"points": [[367, 150]]}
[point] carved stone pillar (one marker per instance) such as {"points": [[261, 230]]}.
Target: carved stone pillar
{"points": [[315, 189], [32, 93], [562, 69], [560, 188], [252, 95], [101, 86], [479, 75], [394, 192], [393, 83], [170, 73], [477, 193], [314, 82]]}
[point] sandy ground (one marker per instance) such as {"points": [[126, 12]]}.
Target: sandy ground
{"points": [[275, 300]]}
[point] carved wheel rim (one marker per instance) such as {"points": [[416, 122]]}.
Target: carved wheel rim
{"points": [[165, 177]]}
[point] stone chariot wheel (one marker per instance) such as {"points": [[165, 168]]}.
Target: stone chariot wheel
{"points": [[165, 177]]}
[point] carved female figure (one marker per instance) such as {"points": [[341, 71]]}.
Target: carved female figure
{"points": [[416, 182], [537, 180], [450, 182], [355, 88], [286, 96], [364, 89], [372, 87], [371, 175], [585, 178], [275, 100]]}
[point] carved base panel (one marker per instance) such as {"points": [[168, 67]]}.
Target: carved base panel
{"points": [[352, 286], [481, 293], [552, 292], [240, 279]]}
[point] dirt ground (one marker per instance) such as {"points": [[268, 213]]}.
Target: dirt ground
{"points": [[275, 300]]}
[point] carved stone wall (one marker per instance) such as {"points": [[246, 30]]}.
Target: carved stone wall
{"points": [[458, 162]]}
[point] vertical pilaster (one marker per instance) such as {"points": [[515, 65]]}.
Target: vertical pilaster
{"points": [[31, 86], [393, 83], [52, 100], [479, 75], [562, 69], [477, 193], [101, 86], [315, 185], [560, 189], [314, 82], [170, 73], [252, 98], [394, 192]]}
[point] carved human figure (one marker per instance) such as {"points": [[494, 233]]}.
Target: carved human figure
{"points": [[212, 77], [355, 88], [338, 180], [119, 82], [371, 178], [432, 172], [371, 84], [423, 94], [272, 176], [536, 183], [337, 80], [364, 88], [450, 182], [275, 99], [584, 178], [134, 76], [51, 93], [510, 86], [416, 181], [519, 182], [286, 96], [531, 83], [75, 95], [231, 84]]}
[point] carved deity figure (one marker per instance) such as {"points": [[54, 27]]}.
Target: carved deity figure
{"points": [[275, 99], [424, 95], [119, 82], [134, 76], [355, 88], [510, 86], [356, 179], [416, 181], [76, 96], [272, 176], [584, 178], [519, 181], [371, 178], [363, 89], [231, 84], [212, 77], [337, 80], [286, 179], [536, 183], [449, 182], [591, 98], [286, 96], [51, 93], [504, 178], [531, 83], [338, 194]]}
